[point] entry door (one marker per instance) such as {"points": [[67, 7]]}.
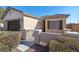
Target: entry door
{"points": [[14, 25]]}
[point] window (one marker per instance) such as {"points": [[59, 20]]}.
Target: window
{"points": [[55, 25], [61, 25]]}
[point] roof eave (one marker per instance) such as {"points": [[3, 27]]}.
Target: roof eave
{"points": [[6, 11]]}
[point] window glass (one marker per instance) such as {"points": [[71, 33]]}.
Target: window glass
{"points": [[55, 25]]}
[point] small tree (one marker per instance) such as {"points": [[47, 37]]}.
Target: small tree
{"points": [[1, 13]]}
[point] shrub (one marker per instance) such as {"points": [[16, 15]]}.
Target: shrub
{"points": [[4, 48], [10, 39], [66, 44]]}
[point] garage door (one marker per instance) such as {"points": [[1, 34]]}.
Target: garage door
{"points": [[14, 25]]}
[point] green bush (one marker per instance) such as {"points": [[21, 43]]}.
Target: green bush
{"points": [[10, 39], [4, 48], [66, 44]]}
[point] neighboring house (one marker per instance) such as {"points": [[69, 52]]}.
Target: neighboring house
{"points": [[16, 20], [74, 27]]}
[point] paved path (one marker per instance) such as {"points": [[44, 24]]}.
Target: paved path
{"points": [[73, 34], [27, 46], [38, 48]]}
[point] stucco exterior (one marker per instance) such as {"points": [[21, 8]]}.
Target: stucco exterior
{"points": [[58, 17], [55, 30], [29, 25], [12, 15], [26, 22]]}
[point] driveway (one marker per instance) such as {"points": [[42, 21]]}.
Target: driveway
{"points": [[73, 34]]}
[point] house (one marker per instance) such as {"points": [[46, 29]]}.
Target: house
{"points": [[55, 23], [74, 27], [16, 20]]}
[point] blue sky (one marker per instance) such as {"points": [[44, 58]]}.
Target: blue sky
{"points": [[50, 10]]}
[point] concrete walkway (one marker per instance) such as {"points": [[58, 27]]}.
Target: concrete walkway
{"points": [[73, 34], [27, 46], [38, 48]]}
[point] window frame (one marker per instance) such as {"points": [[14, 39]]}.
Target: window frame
{"points": [[54, 25]]}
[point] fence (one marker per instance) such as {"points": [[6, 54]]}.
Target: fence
{"points": [[37, 36], [46, 36]]}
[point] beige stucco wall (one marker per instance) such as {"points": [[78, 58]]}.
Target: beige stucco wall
{"points": [[11, 16], [46, 36], [26, 23], [32, 23], [55, 30], [29, 27]]}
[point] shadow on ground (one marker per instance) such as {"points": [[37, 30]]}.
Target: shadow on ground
{"points": [[34, 47], [38, 48]]}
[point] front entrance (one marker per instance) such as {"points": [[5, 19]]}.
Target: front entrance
{"points": [[13, 25]]}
